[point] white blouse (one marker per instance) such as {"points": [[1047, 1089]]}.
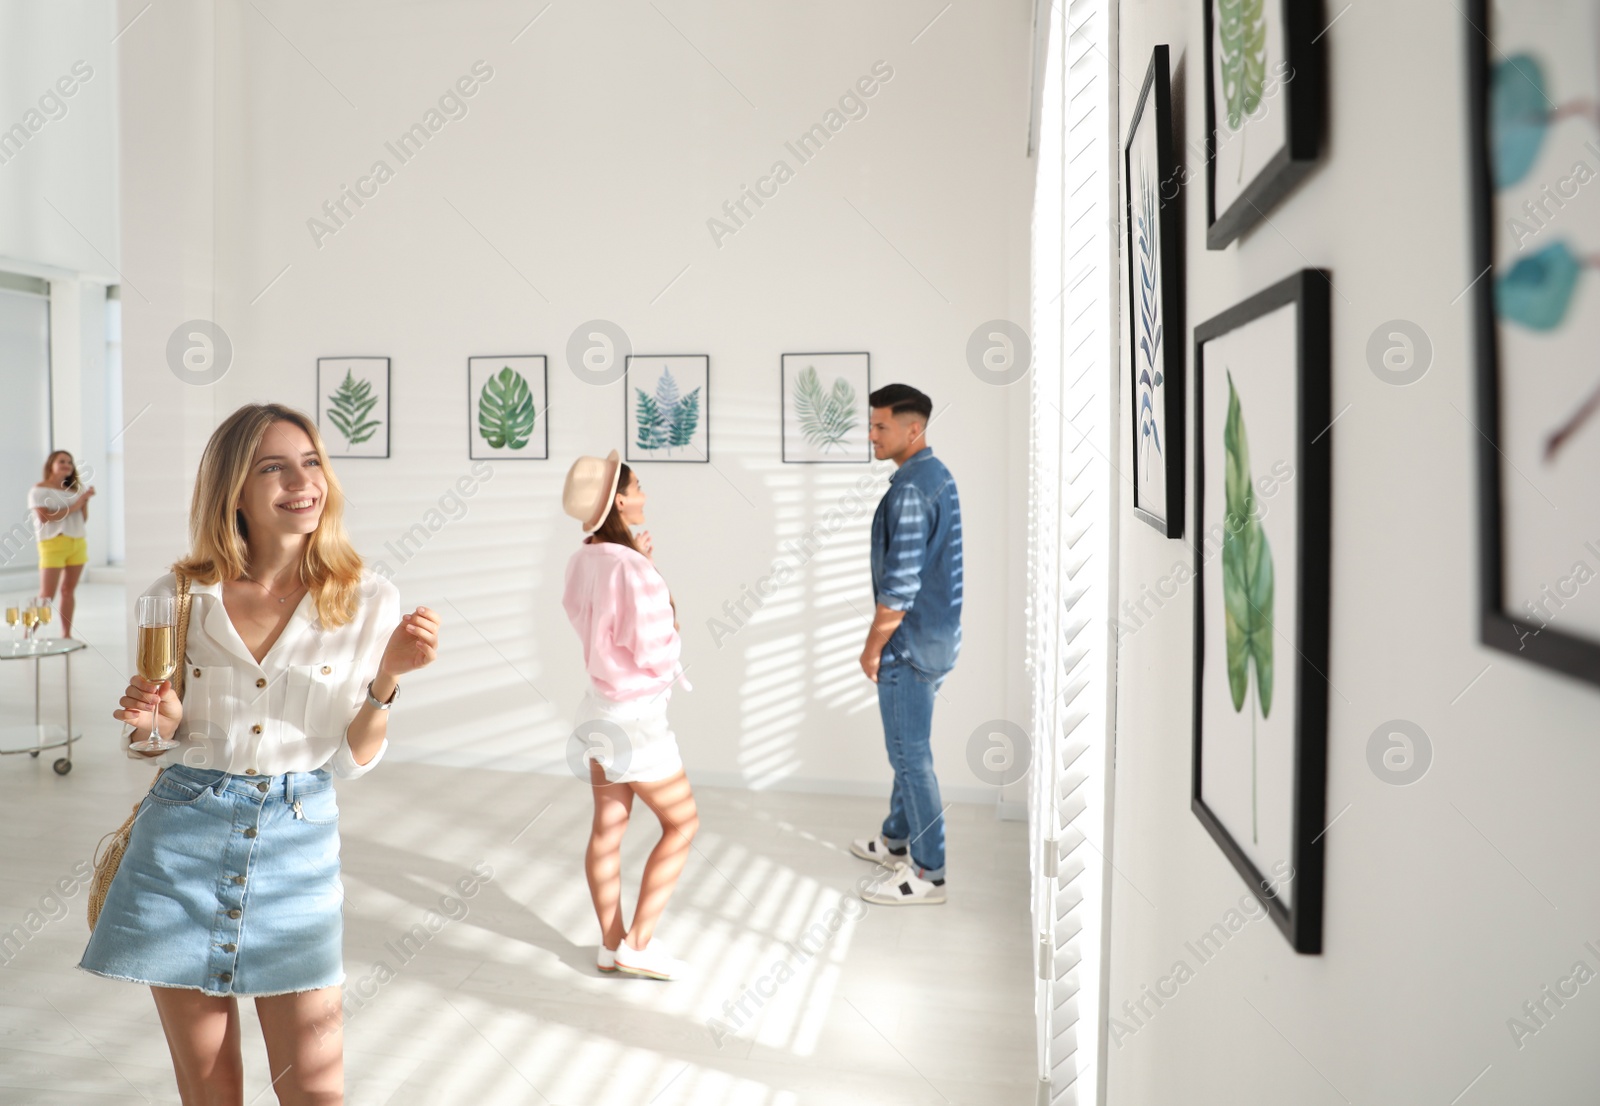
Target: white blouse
{"points": [[289, 712], [52, 500]]}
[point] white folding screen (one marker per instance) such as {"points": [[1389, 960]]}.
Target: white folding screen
{"points": [[1071, 536]]}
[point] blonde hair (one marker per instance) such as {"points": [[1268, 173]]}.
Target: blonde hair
{"points": [[329, 566]]}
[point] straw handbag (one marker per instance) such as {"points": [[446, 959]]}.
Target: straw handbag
{"points": [[109, 856]]}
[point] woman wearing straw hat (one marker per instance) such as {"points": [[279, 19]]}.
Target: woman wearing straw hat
{"points": [[624, 616]]}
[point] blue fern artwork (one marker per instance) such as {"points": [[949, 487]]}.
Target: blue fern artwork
{"points": [[666, 419], [1148, 313]]}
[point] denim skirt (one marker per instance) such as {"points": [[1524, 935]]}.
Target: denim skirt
{"points": [[230, 885]]}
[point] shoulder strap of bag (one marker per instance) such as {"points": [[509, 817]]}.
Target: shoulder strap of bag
{"points": [[182, 642]]}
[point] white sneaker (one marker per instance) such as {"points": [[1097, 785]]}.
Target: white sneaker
{"points": [[904, 885], [876, 850], [650, 962], [606, 959]]}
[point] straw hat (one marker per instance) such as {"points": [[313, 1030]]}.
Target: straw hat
{"points": [[591, 489]]}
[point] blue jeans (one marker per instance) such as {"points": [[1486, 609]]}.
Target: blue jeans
{"points": [[905, 699]]}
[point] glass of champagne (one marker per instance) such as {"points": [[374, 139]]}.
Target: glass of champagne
{"points": [[13, 616], [42, 606], [30, 619], [157, 661]]}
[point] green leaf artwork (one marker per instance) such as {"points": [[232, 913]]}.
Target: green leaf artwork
{"points": [[1246, 583], [650, 426], [505, 410], [349, 407], [666, 420], [1242, 33], [825, 419], [685, 418]]}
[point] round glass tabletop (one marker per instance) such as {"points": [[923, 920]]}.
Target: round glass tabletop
{"points": [[47, 647]]}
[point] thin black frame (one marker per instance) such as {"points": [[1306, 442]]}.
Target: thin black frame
{"points": [[1305, 94], [1300, 922], [627, 398], [1545, 646], [472, 412], [1157, 91], [388, 427], [783, 406]]}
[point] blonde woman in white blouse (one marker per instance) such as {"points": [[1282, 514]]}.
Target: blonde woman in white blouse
{"points": [[230, 886]]}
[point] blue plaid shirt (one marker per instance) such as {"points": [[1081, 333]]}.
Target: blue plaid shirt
{"points": [[916, 563]]}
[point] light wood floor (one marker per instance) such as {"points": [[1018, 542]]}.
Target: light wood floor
{"points": [[501, 1002]]}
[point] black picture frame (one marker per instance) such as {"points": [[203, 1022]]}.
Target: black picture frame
{"points": [[1300, 920], [629, 451], [1156, 95], [388, 385], [475, 452], [1304, 92], [783, 409], [1548, 646]]}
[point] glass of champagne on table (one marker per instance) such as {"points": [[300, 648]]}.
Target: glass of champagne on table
{"points": [[42, 605], [158, 659], [30, 619], [13, 616]]}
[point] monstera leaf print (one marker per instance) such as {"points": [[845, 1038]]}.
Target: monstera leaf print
{"points": [[349, 407], [505, 410], [1246, 583], [1242, 34]]}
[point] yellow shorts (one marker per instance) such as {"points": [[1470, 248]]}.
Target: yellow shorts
{"points": [[61, 551]]}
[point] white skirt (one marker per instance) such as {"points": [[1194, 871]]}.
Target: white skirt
{"points": [[631, 740]]}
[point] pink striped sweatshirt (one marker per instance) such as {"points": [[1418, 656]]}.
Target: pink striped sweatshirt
{"points": [[618, 604]]}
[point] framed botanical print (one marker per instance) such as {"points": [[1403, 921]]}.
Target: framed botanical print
{"points": [[1155, 303], [1262, 457], [353, 405], [825, 414], [507, 407], [1265, 97], [667, 397], [1533, 81]]}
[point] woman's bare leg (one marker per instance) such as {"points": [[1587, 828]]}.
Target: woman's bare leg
{"points": [[69, 596], [305, 1046], [602, 863], [49, 580], [672, 801], [203, 1036]]}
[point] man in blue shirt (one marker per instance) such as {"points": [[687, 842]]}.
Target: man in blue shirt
{"points": [[914, 641]]}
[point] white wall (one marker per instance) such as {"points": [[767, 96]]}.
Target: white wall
{"points": [[578, 186], [1451, 902], [58, 186], [58, 213]]}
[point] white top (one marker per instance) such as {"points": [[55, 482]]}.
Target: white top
{"points": [[52, 500], [288, 713]]}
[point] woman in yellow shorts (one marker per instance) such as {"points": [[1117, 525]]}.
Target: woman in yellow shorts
{"points": [[60, 507]]}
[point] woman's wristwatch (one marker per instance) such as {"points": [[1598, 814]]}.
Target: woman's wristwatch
{"points": [[381, 704]]}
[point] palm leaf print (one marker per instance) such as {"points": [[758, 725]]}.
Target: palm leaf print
{"points": [[825, 420]]}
